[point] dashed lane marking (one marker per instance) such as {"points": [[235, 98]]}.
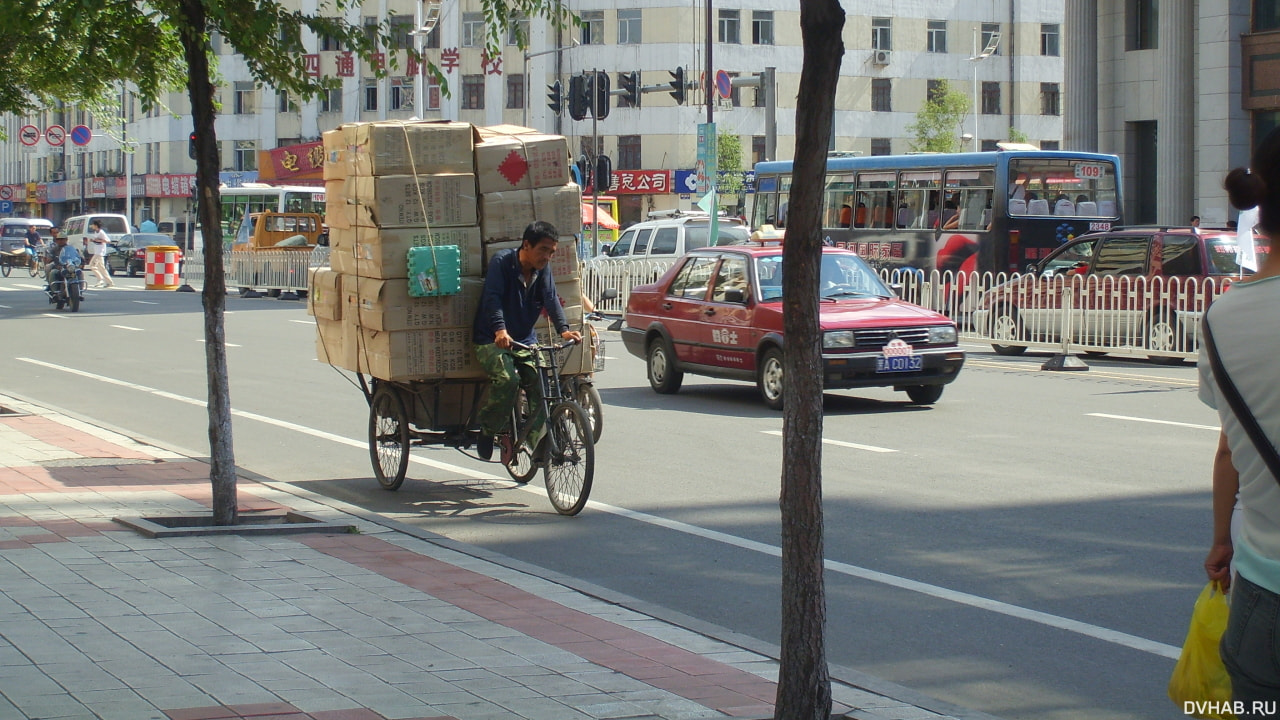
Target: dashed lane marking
{"points": [[1194, 426], [840, 443]]}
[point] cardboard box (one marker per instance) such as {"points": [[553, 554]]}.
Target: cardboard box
{"points": [[335, 202], [383, 253], [576, 360], [409, 148], [520, 162], [418, 354], [375, 304], [324, 294], [505, 215], [335, 154], [564, 264], [335, 344], [409, 201]]}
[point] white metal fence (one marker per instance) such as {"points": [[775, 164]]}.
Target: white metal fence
{"points": [[271, 270]]}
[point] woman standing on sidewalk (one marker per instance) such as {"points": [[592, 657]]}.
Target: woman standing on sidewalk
{"points": [[1246, 332]]}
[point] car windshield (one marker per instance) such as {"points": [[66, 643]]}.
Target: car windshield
{"points": [[1224, 254], [841, 276]]}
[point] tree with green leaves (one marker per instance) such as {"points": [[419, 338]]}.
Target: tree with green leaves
{"points": [[77, 52], [804, 681], [937, 125], [729, 167]]}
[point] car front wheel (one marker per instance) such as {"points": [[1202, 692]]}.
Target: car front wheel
{"points": [[770, 379], [664, 378], [924, 394]]}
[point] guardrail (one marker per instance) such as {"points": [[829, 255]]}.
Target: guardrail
{"points": [[270, 270], [621, 274]]}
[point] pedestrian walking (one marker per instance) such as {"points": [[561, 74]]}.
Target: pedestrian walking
{"points": [[98, 247], [1244, 328]]}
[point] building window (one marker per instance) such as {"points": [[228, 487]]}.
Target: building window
{"points": [[934, 91], [990, 145], [433, 94], [472, 29], [990, 34], [370, 95], [473, 92], [757, 149], [401, 94], [328, 43], [881, 94], [881, 33], [729, 27], [881, 146], [401, 26], [1266, 15], [1050, 37], [515, 92], [629, 27], [518, 31], [433, 38], [246, 99], [937, 40], [762, 27], [593, 27], [285, 103], [1049, 145], [331, 100], [246, 155], [371, 29], [1141, 29], [629, 152], [1050, 99], [990, 98]]}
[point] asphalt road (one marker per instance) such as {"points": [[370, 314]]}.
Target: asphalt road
{"points": [[1029, 547]]}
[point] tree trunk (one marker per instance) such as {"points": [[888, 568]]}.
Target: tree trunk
{"points": [[222, 469], [804, 685]]}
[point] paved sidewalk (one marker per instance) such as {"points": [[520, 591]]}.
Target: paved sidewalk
{"points": [[98, 621]]}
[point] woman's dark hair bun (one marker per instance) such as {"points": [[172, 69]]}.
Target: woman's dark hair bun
{"points": [[1245, 189]]}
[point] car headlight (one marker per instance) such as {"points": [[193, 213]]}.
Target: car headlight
{"points": [[837, 339], [942, 335]]}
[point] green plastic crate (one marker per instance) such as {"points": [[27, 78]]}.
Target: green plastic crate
{"points": [[434, 270]]}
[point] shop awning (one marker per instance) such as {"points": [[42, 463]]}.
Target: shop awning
{"points": [[602, 217]]}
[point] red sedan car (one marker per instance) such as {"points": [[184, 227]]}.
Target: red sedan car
{"points": [[718, 312]]}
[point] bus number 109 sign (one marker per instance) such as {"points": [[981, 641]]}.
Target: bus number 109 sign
{"points": [[1090, 171]]}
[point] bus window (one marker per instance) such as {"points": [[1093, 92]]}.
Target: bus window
{"points": [[1075, 187], [918, 199], [784, 197], [837, 207], [875, 196], [970, 193]]}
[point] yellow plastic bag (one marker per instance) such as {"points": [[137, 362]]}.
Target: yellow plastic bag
{"points": [[1200, 685]]}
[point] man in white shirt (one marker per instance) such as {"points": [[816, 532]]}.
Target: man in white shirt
{"points": [[98, 247]]}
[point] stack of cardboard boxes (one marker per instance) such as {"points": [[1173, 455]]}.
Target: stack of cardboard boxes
{"points": [[392, 186]]}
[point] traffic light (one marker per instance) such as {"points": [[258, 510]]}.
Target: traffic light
{"points": [[582, 171], [677, 85], [600, 94], [191, 146], [579, 101], [555, 98], [604, 174], [630, 82]]}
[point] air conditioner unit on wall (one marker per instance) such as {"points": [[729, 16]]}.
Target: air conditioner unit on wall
{"points": [[56, 176], [881, 57]]}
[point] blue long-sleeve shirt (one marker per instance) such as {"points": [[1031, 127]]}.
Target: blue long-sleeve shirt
{"points": [[508, 303]]}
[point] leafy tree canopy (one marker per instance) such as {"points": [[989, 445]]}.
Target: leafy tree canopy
{"points": [[937, 125]]}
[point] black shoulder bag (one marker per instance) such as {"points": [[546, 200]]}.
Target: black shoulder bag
{"points": [[1260, 440]]}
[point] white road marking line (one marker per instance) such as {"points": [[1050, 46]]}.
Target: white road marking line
{"points": [[126, 327], [30, 286], [146, 302], [200, 340], [840, 443], [60, 317], [304, 322], [5, 307], [1214, 428], [1042, 618]]}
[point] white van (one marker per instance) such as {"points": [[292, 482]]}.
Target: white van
{"points": [[186, 236], [77, 230]]}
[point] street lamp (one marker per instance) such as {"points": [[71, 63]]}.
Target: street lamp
{"points": [[988, 51], [426, 17]]}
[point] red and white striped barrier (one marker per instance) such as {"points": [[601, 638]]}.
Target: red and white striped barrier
{"points": [[162, 267]]}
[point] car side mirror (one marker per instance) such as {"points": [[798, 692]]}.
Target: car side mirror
{"points": [[735, 295]]}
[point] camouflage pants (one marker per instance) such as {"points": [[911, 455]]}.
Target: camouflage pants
{"points": [[509, 371]]}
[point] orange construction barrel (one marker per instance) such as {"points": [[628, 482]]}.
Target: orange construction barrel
{"points": [[163, 267]]}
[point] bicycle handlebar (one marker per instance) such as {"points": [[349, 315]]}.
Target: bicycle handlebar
{"points": [[535, 347]]}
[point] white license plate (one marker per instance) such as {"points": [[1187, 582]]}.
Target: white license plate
{"points": [[900, 363]]}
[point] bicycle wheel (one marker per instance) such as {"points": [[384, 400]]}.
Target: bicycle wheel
{"points": [[33, 267], [6, 268], [388, 437], [586, 395], [571, 458], [517, 460]]}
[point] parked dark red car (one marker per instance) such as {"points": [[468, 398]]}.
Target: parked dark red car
{"points": [[718, 312]]}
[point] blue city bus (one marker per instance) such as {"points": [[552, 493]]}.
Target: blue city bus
{"points": [[986, 212]]}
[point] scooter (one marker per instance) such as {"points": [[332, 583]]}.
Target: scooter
{"points": [[66, 286]]}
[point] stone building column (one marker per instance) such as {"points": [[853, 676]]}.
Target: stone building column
{"points": [[1080, 76], [1175, 118]]}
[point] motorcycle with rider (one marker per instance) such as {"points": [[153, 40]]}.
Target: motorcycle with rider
{"points": [[64, 275]]}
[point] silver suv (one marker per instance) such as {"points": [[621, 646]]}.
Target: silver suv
{"points": [[672, 233]]}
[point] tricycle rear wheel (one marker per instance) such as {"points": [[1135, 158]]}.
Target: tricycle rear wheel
{"points": [[388, 437]]}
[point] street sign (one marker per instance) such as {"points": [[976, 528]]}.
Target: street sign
{"points": [[724, 84], [6, 192], [56, 135], [29, 135], [81, 135], [6, 206]]}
